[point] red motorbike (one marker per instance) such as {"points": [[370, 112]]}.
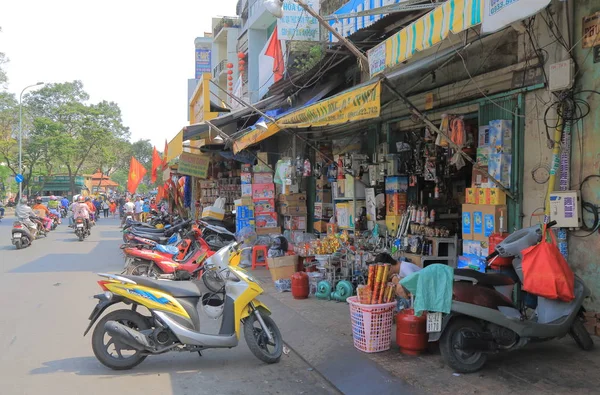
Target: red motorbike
{"points": [[181, 264], [54, 219]]}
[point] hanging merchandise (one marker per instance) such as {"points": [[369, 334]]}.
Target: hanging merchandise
{"points": [[441, 141], [281, 170], [299, 164], [340, 169], [307, 168], [457, 131]]}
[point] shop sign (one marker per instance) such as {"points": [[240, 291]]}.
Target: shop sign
{"points": [[498, 14], [357, 104], [591, 30], [296, 24], [377, 60], [428, 101], [193, 165], [202, 62]]}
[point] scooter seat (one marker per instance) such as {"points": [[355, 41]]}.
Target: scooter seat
{"points": [[489, 279], [178, 289]]}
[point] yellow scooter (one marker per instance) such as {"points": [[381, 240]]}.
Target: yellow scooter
{"points": [[124, 338]]}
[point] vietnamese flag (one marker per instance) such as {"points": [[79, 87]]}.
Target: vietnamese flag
{"points": [[160, 194], [136, 173], [156, 164], [274, 51], [166, 151]]}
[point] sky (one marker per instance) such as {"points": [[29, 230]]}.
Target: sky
{"points": [[136, 53]]}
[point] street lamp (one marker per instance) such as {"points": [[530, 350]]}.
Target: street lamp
{"points": [[21, 135]]}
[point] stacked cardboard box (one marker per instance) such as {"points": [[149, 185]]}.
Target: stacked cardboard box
{"points": [[396, 200], [293, 208], [494, 154], [244, 214]]}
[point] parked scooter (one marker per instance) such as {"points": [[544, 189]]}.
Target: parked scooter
{"points": [[174, 324], [215, 233], [484, 319], [160, 236]]}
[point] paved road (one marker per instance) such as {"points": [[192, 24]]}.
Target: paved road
{"points": [[45, 298]]}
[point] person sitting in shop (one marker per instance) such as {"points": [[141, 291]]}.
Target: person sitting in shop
{"points": [[398, 270]]}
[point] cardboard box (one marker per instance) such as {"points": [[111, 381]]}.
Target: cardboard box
{"points": [[266, 220], [500, 167], [475, 247], [501, 136], [320, 226], [246, 178], [323, 210], [481, 180], [486, 220], [395, 203], [392, 222], [294, 222], [282, 267], [323, 196], [483, 155], [264, 205], [262, 157], [323, 183], [246, 189], [467, 221], [262, 178], [268, 231], [293, 210], [292, 197], [471, 195], [480, 197], [342, 215], [396, 184], [494, 196], [213, 213], [484, 136], [244, 223], [244, 212], [471, 262], [263, 191]]}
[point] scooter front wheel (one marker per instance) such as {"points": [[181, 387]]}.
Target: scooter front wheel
{"points": [[459, 360], [581, 335], [258, 342]]}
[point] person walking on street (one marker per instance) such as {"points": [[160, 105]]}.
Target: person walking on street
{"points": [[105, 208], [1, 209], [113, 208], [145, 211], [139, 205]]}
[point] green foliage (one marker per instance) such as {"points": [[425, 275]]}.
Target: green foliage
{"points": [[307, 57], [3, 60]]}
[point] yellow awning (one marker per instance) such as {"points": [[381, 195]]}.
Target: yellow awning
{"points": [[175, 146], [356, 104]]}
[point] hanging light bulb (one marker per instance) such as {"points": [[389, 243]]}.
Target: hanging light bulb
{"points": [[275, 7]]}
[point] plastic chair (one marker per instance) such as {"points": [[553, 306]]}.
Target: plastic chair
{"points": [[255, 261]]}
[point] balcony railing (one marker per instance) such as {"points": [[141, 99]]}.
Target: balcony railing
{"points": [[219, 68], [226, 22]]}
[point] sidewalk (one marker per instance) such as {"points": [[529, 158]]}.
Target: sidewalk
{"points": [[320, 331]]}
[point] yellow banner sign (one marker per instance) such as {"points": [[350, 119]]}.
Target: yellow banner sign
{"points": [[193, 165], [357, 104]]}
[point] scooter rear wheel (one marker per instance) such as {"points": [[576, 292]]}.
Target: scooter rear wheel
{"points": [[461, 361]]}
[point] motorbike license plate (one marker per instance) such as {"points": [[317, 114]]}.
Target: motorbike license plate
{"points": [[80, 225], [434, 322], [17, 235]]}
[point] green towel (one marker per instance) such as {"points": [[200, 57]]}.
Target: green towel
{"points": [[431, 287]]}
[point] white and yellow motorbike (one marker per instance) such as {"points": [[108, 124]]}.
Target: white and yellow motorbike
{"points": [[124, 338]]}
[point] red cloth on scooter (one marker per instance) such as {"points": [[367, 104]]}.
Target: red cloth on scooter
{"points": [[546, 272]]}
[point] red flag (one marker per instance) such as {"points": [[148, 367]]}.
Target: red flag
{"points": [[156, 164], [160, 194], [136, 174], [274, 50], [166, 151]]}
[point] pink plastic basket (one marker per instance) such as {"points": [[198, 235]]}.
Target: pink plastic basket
{"points": [[371, 325]]}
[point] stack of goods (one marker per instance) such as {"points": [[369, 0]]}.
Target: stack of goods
{"points": [[323, 205], [244, 214], [229, 189], [209, 192], [263, 197], [377, 290], [395, 201], [292, 207], [484, 212]]}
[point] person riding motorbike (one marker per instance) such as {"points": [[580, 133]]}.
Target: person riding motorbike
{"points": [[81, 210], [1, 209], [53, 206], [128, 209], [24, 213], [64, 202], [42, 212], [91, 208]]}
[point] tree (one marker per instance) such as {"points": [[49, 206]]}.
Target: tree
{"points": [[3, 60]]}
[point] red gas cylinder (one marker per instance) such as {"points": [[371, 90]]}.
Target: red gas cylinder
{"points": [[411, 332], [300, 285], [498, 262]]}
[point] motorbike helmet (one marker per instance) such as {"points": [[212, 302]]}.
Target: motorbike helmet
{"points": [[213, 305], [23, 201], [38, 199], [52, 197], [81, 199]]}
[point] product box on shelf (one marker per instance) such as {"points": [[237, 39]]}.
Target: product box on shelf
{"points": [[392, 222], [475, 247], [294, 222], [342, 215], [264, 205], [292, 197], [471, 195], [282, 267], [246, 178], [486, 220], [265, 220], [480, 198], [471, 262], [293, 210], [322, 183], [246, 189], [323, 196], [268, 231], [244, 212], [263, 191], [323, 210], [491, 196], [480, 179], [467, 221], [320, 226], [500, 167], [501, 136], [262, 178], [395, 184], [395, 203], [483, 155], [244, 223], [484, 136]]}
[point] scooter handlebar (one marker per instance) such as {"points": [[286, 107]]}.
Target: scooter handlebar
{"points": [[492, 255]]}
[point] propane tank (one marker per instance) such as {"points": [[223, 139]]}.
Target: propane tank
{"points": [[411, 332], [498, 262], [300, 288]]}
